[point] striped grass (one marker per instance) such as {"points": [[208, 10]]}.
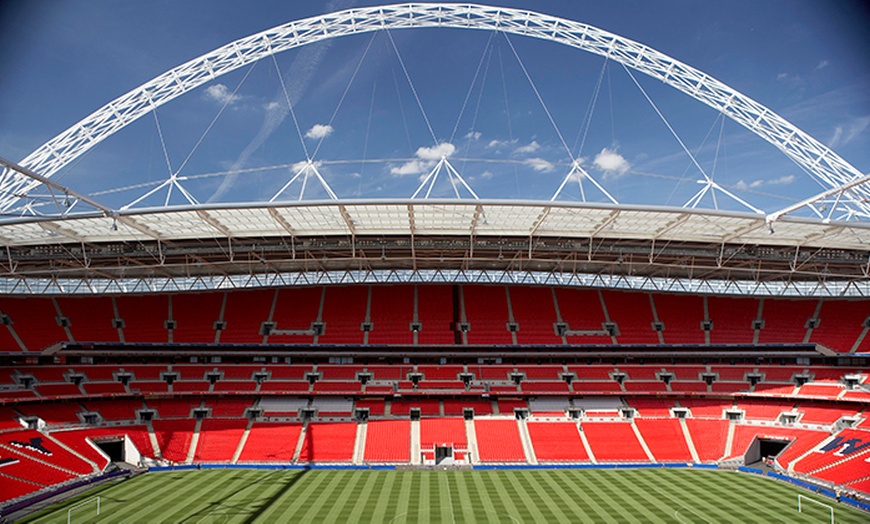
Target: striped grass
{"points": [[545, 496]]}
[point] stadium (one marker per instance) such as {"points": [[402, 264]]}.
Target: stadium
{"points": [[289, 348]]}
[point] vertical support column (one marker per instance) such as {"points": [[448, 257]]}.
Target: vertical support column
{"points": [[242, 442], [511, 320], [368, 318], [558, 313], [758, 318], [118, 316], [320, 312], [217, 332], [652, 304], [689, 442], [416, 459], [526, 441], [271, 313], [194, 442], [471, 437], [360, 443]]}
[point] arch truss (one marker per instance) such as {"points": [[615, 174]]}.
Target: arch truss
{"points": [[850, 194]]}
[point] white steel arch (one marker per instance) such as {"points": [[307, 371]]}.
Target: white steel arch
{"points": [[817, 159]]}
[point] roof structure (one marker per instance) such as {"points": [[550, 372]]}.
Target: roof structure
{"points": [[246, 245]]}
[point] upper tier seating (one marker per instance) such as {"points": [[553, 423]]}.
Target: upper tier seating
{"points": [[732, 320], [682, 316], [785, 320], [581, 310], [392, 311], [241, 316], [842, 321], [632, 313], [535, 314], [344, 311], [295, 310], [435, 312], [244, 314], [486, 310], [144, 317], [195, 315]]}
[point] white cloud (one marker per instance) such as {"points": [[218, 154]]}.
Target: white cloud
{"points": [[220, 93], [539, 164], [473, 135], [427, 157], [500, 143], [781, 181], [319, 131], [611, 162], [486, 175], [529, 148], [845, 133], [272, 106], [823, 64], [444, 149]]}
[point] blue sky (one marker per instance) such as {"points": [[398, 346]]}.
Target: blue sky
{"points": [[807, 60]]}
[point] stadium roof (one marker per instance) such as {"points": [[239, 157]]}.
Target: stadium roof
{"points": [[249, 245]]}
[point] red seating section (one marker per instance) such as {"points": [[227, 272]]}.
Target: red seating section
{"points": [[613, 442], [435, 312], [581, 310], [682, 316], [194, 315], [499, 441], [271, 442], [732, 320], [632, 313], [295, 310], [391, 311], [344, 311], [557, 442], [388, 441], [391, 315], [785, 320], [328, 442], [535, 314], [218, 439], [173, 437], [439, 431], [665, 439], [709, 437], [487, 313], [144, 317], [33, 444]]}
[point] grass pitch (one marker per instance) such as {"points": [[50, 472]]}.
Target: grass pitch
{"points": [[547, 496]]}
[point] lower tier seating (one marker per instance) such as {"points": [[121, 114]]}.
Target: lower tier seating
{"points": [[388, 441], [557, 442], [499, 441]]}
